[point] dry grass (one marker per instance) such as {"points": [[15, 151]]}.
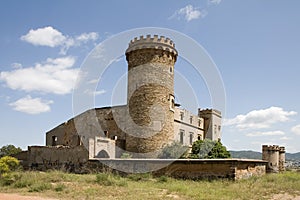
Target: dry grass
{"points": [[56, 184]]}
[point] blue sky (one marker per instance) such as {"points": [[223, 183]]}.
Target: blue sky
{"points": [[254, 44]]}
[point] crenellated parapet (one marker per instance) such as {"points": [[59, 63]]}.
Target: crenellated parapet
{"points": [[149, 49], [271, 148], [154, 42]]}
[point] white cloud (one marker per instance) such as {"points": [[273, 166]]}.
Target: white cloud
{"points": [[214, 2], [189, 13], [52, 76], [85, 37], [48, 36], [16, 65], [285, 138], [31, 105], [258, 119], [266, 133], [296, 129]]}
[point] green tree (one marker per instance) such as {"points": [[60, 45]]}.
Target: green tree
{"points": [[173, 151], [209, 149], [9, 150]]}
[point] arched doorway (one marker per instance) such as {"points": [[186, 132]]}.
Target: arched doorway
{"points": [[102, 154]]}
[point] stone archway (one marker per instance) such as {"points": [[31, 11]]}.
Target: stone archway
{"points": [[102, 154]]}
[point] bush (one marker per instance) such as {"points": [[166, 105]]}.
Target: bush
{"points": [[163, 179], [8, 164], [126, 155]]}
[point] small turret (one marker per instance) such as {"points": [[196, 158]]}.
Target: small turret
{"points": [[275, 156]]}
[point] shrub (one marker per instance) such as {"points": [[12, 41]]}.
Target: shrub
{"points": [[163, 179], [126, 155], [8, 164], [3, 168]]}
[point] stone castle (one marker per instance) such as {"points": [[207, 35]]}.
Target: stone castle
{"points": [[142, 128], [150, 120]]}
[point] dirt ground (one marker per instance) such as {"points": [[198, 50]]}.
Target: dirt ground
{"points": [[285, 196], [4, 196]]}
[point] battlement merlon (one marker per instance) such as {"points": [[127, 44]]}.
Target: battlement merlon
{"points": [[154, 42]]}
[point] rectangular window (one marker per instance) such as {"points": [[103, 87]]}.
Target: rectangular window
{"points": [[191, 137], [191, 119], [199, 122], [181, 135], [54, 140], [181, 116]]}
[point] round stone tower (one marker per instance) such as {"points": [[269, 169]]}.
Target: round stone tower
{"points": [[281, 159], [150, 95], [271, 154]]}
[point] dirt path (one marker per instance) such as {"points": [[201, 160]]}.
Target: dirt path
{"points": [[4, 196], [285, 196]]}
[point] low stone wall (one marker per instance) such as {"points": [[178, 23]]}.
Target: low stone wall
{"points": [[233, 169], [58, 157]]}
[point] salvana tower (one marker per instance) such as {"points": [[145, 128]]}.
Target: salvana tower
{"points": [[150, 95]]}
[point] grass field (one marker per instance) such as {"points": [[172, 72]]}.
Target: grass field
{"points": [[56, 184]]}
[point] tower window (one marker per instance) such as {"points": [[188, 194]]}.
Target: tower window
{"points": [[199, 137], [106, 133], [191, 137], [199, 122], [181, 134], [54, 140], [191, 119], [171, 102], [181, 116], [171, 70]]}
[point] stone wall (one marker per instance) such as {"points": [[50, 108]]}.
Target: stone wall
{"points": [[233, 169], [59, 157]]}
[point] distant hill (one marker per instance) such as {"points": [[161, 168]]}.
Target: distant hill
{"points": [[257, 155], [246, 154]]}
